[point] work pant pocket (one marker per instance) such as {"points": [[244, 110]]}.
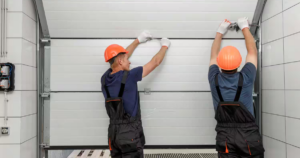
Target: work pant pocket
{"points": [[255, 147], [128, 139], [221, 146]]}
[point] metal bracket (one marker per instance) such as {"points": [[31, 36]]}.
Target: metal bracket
{"points": [[46, 40], [45, 146], [45, 95], [147, 91]]}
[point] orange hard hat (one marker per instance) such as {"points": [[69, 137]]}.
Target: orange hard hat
{"points": [[113, 50], [229, 58]]}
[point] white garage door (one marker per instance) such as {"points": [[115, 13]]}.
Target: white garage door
{"points": [[127, 18], [178, 111]]}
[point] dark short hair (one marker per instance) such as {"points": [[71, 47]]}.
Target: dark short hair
{"points": [[112, 61]]}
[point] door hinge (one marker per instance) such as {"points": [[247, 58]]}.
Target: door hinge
{"points": [[147, 91], [44, 146], [45, 95]]}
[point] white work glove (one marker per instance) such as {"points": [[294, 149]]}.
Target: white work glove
{"points": [[144, 36], [165, 42], [243, 23], [223, 28]]}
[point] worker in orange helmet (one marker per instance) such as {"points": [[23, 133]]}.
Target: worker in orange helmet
{"points": [[237, 133], [119, 86]]}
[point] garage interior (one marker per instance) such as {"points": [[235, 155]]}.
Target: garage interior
{"points": [[67, 41]]}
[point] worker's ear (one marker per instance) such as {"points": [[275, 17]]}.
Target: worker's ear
{"points": [[119, 60]]}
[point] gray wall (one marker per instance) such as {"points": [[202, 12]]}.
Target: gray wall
{"points": [[281, 76]]}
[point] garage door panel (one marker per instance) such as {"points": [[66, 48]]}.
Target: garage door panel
{"points": [[185, 67], [221, 6], [188, 115]]}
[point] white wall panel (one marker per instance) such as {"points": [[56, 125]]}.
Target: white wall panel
{"points": [[14, 104], [273, 101], [272, 8], [28, 127], [172, 18], [21, 51], [292, 131], [292, 76], [274, 126], [274, 148], [184, 68], [29, 29], [291, 45], [15, 131], [28, 148], [273, 77], [29, 9], [166, 116], [292, 151], [289, 3], [14, 24], [291, 23], [11, 151], [14, 5], [272, 53], [271, 30], [25, 77], [292, 103]]}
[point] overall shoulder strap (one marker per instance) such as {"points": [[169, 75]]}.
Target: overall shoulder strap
{"points": [[240, 87], [105, 87], [125, 75], [218, 88]]}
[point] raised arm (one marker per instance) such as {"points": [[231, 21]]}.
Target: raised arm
{"points": [[250, 42], [158, 58], [215, 49], [143, 37]]}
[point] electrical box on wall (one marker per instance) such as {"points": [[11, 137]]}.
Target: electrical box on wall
{"points": [[7, 77]]}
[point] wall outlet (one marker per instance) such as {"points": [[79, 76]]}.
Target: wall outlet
{"points": [[4, 131]]}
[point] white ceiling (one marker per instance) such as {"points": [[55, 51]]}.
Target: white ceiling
{"points": [[127, 18]]}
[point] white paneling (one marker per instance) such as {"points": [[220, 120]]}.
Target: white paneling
{"points": [[28, 149], [274, 126], [178, 72], [292, 131], [173, 19], [292, 151], [289, 3], [29, 102], [14, 5], [274, 148], [291, 21], [272, 8], [14, 47], [10, 151], [25, 77], [272, 29], [15, 131], [187, 116], [14, 104], [273, 101], [29, 29], [273, 53], [273, 77], [21, 51], [291, 45], [20, 103], [291, 76], [14, 24], [29, 127], [292, 103], [29, 9]]}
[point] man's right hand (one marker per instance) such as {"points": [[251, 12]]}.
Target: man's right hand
{"points": [[243, 23], [165, 42], [144, 37], [223, 28]]}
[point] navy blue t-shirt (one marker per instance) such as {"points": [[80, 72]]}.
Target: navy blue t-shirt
{"points": [[229, 84], [130, 95]]}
